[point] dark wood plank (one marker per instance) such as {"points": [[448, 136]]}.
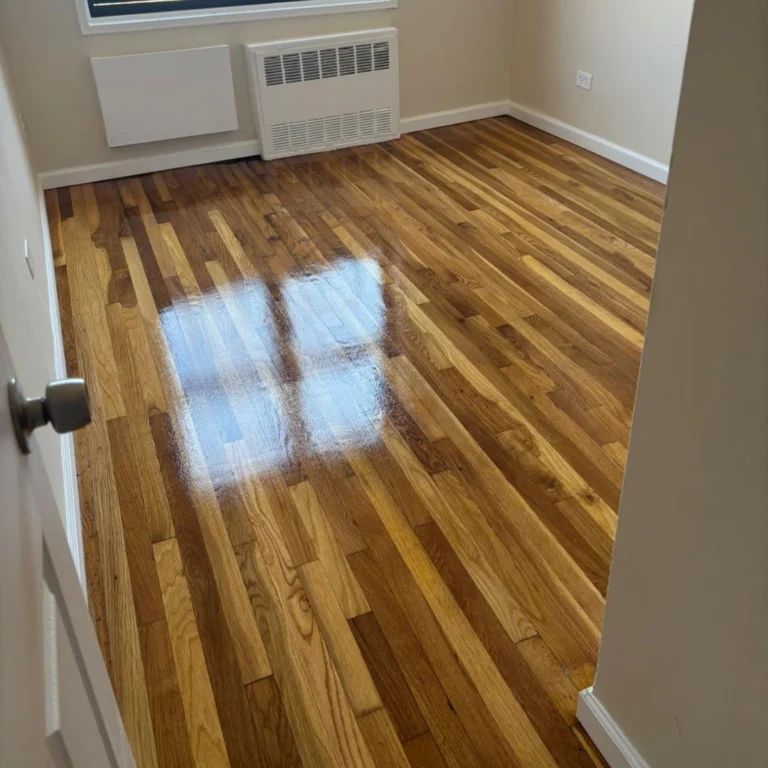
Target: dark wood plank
{"points": [[147, 598], [388, 677], [168, 721], [273, 731]]}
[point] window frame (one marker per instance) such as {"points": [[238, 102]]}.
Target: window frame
{"points": [[90, 25]]}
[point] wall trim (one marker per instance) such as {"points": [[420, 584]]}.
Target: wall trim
{"points": [[616, 748], [647, 166], [453, 116], [225, 15], [72, 519], [117, 169]]}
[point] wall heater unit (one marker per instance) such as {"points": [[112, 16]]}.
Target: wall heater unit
{"points": [[321, 93]]}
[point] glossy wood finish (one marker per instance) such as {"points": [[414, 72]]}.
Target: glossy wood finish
{"points": [[360, 426]]}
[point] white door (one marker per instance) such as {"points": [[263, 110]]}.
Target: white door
{"points": [[56, 703]]}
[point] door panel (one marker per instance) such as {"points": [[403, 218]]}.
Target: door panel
{"points": [[57, 707], [71, 730]]}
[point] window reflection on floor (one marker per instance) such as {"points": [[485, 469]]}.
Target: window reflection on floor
{"points": [[290, 368]]}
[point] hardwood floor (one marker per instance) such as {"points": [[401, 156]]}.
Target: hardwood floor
{"points": [[361, 420]]}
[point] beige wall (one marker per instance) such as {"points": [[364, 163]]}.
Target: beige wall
{"points": [[683, 665], [25, 313], [453, 53], [635, 50]]}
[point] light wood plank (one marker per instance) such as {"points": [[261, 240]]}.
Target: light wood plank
{"points": [[329, 553]]}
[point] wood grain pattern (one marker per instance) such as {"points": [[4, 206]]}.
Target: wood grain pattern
{"points": [[206, 738], [165, 699], [329, 553], [355, 677], [360, 425], [423, 751], [273, 731], [382, 740]]}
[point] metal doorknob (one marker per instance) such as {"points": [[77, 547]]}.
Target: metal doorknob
{"points": [[66, 407]]}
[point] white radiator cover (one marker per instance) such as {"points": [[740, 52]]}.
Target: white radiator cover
{"points": [[321, 93]]}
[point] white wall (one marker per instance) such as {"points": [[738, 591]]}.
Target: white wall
{"points": [[634, 48], [453, 53], [25, 313], [683, 667]]}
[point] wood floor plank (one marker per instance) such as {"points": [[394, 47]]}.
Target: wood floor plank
{"points": [[354, 675], [562, 692], [137, 422], [360, 427], [437, 709], [273, 731], [97, 362], [317, 706], [174, 748], [632, 335], [381, 737], [494, 484], [504, 708], [206, 737], [423, 751], [388, 677], [99, 493], [147, 598], [220, 654], [553, 731], [332, 558]]}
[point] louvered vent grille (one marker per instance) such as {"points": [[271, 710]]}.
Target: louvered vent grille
{"points": [[320, 133], [326, 63]]}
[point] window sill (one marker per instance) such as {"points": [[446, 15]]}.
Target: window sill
{"points": [[95, 26]]}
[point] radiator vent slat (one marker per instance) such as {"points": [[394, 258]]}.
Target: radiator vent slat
{"points": [[281, 138], [273, 70], [327, 62], [333, 108], [346, 61], [333, 129], [381, 56], [310, 65], [292, 68], [330, 63], [383, 121], [298, 133], [319, 133], [364, 58], [368, 123], [315, 132]]}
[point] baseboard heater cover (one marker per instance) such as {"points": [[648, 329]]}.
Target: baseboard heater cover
{"points": [[321, 93]]}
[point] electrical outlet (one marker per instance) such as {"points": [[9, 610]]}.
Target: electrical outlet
{"points": [[584, 80], [29, 259]]}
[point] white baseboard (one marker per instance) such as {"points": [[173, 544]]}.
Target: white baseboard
{"points": [[71, 511], [117, 169], [616, 748], [453, 116], [647, 166]]}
